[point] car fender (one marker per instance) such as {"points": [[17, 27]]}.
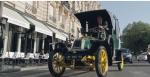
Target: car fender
{"points": [[60, 47]]}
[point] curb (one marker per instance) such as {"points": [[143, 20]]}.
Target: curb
{"points": [[8, 69], [34, 67]]}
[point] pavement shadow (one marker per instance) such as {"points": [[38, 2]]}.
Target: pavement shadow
{"points": [[113, 70], [75, 74], [135, 65]]}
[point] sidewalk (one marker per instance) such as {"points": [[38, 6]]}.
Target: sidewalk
{"points": [[9, 68], [34, 67]]}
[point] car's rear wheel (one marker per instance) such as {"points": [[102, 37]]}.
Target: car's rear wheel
{"points": [[101, 62], [121, 63], [56, 64]]}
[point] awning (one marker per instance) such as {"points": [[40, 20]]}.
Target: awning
{"points": [[40, 27], [58, 34], [15, 18]]}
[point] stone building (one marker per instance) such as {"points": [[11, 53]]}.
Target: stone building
{"points": [[59, 14], [54, 21]]}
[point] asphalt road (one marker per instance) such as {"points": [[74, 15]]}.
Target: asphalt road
{"points": [[130, 70]]}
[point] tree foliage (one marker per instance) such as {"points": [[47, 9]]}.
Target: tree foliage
{"points": [[136, 36]]}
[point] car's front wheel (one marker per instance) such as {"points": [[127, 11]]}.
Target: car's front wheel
{"points": [[101, 62], [56, 64]]}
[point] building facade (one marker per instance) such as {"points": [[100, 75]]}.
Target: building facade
{"points": [[59, 14], [54, 21]]}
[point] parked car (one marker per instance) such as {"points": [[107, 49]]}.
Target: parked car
{"points": [[148, 53], [142, 56], [148, 57], [127, 55]]}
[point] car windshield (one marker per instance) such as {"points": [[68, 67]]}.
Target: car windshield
{"points": [[83, 44], [86, 44]]}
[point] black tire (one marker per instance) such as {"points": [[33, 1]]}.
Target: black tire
{"points": [[51, 60], [148, 58], [131, 61], [101, 69], [120, 64], [110, 52], [149, 61]]}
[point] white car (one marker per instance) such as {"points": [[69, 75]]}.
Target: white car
{"points": [[142, 57]]}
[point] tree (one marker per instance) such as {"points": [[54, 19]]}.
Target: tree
{"points": [[136, 36]]}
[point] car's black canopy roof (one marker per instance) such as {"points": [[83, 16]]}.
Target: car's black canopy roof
{"points": [[91, 18]]}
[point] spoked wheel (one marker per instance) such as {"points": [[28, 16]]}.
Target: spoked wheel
{"points": [[56, 64], [101, 62], [121, 63]]}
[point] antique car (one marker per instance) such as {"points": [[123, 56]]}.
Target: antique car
{"points": [[98, 48]]}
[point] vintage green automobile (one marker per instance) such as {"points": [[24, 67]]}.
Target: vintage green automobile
{"points": [[98, 48]]}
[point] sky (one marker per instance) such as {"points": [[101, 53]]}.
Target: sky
{"points": [[128, 11]]}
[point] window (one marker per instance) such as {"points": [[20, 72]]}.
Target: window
{"points": [[29, 2], [60, 14], [82, 44], [87, 44], [32, 6], [50, 9]]}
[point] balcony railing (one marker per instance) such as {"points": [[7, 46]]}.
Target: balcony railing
{"points": [[10, 3], [30, 8], [62, 26], [52, 18], [66, 4]]}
